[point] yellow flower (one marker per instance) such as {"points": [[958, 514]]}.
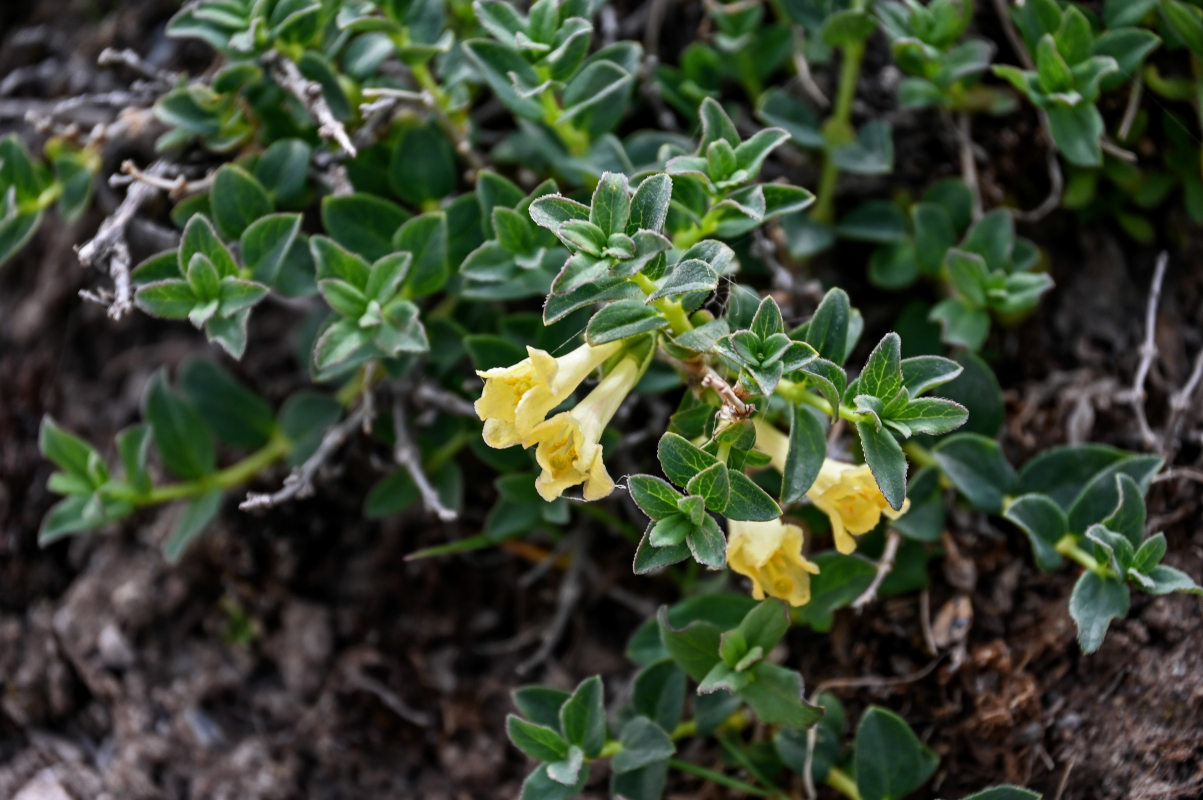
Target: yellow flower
{"points": [[567, 445], [770, 553], [516, 399], [848, 495]]}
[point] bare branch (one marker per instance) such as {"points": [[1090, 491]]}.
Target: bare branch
{"points": [[109, 243], [962, 128], [406, 453], [433, 396], [1125, 125], [884, 565], [176, 187], [128, 58], [733, 405], [299, 483], [1148, 352], [1055, 177], [1179, 403], [289, 76], [802, 67]]}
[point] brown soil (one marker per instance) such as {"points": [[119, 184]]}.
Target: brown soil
{"points": [[297, 654]]}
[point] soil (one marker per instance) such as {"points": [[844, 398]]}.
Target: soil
{"points": [[296, 653]]}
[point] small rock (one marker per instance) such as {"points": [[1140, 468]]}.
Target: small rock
{"points": [[115, 651], [44, 786]]}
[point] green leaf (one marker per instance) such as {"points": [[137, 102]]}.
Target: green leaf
{"points": [[1094, 603], [653, 496], [922, 373], [1044, 523], [748, 501], [713, 486], [934, 234], [541, 705], [236, 295], [283, 169], [931, 415], [650, 557], [199, 237], [961, 325], [539, 785], [1101, 495], [1077, 131], [977, 468], [889, 761], [827, 331], [764, 626], [583, 717], [969, 276], [423, 166], [681, 460], [71, 515], [649, 205], [236, 414], [623, 319], [265, 245], [847, 27], [706, 544], [694, 648], [659, 693], [611, 205], [134, 445], [1167, 579], [807, 449], [237, 200], [568, 770], [884, 456], [425, 237], [775, 695], [882, 376], [363, 223], [335, 261], [338, 342], [1062, 473], [66, 450], [1128, 518], [643, 743], [503, 68], [180, 434], [1187, 22], [190, 522], [537, 741], [841, 579]]}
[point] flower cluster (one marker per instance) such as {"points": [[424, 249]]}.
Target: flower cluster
{"points": [[516, 400]]}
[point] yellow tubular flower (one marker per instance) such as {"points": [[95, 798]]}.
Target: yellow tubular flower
{"points": [[516, 399], [848, 495], [770, 553], [567, 445]]}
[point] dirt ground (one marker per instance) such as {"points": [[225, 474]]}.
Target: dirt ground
{"points": [[296, 654]]}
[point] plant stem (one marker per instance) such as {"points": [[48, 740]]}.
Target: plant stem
{"points": [[798, 393], [837, 130], [840, 781], [919, 454], [673, 311], [1068, 546], [236, 474], [718, 777]]}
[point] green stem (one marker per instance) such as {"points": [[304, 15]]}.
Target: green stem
{"points": [[919, 454], [840, 781], [683, 240], [718, 777], [837, 130], [43, 201], [236, 474], [1068, 546], [576, 141], [798, 393], [673, 311]]}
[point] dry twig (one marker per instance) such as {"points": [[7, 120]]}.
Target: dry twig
{"points": [[299, 483], [289, 76], [406, 453], [884, 565], [570, 595], [109, 243], [1148, 352]]}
